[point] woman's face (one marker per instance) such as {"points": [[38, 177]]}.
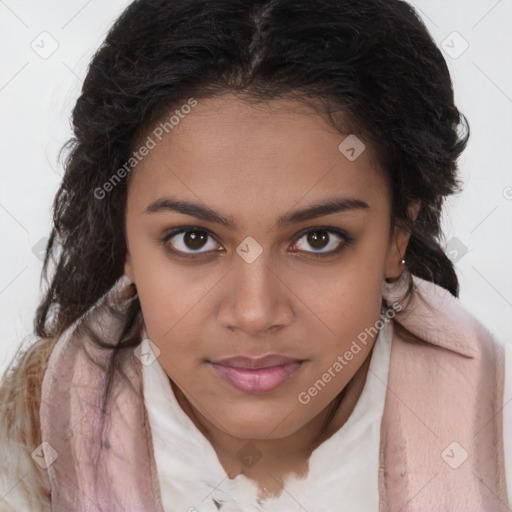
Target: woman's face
{"points": [[261, 265]]}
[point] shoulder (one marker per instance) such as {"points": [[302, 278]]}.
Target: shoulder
{"points": [[24, 485]]}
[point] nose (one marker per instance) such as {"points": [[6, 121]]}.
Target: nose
{"points": [[256, 300]]}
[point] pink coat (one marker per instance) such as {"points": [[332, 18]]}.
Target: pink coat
{"points": [[441, 432]]}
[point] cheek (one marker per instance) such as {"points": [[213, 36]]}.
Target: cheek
{"points": [[348, 309], [356, 308], [168, 307], [344, 304], [170, 295]]}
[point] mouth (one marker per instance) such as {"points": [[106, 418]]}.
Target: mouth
{"points": [[257, 380]]}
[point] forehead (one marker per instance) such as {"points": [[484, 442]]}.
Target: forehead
{"points": [[225, 151]]}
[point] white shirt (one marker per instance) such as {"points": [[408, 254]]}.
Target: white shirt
{"points": [[343, 470]]}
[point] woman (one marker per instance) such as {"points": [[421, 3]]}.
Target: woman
{"points": [[250, 308]]}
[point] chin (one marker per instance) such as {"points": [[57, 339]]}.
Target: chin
{"points": [[259, 427]]}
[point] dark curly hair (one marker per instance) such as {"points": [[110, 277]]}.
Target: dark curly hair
{"points": [[371, 65]]}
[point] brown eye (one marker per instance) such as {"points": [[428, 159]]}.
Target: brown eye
{"points": [[322, 242], [195, 239], [318, 239], [190, 241]]}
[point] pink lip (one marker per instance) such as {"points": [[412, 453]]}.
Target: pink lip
{"points": [[253, 363], [257, 380]]}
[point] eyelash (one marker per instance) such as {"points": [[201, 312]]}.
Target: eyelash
{"points": [[346, 241]]}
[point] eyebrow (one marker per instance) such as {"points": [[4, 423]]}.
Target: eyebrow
{"points": [[319, 209]]}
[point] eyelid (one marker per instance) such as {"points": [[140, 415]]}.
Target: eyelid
{"points": [[340, 233], [347, 240], [184, 229]]}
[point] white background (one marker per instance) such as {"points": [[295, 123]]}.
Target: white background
{"points": [[37, 96]]}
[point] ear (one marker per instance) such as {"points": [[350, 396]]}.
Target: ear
{"points": [[398, 245], [128, 267]]}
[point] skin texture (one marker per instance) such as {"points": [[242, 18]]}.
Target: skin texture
{"points": [[254, 164]]}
